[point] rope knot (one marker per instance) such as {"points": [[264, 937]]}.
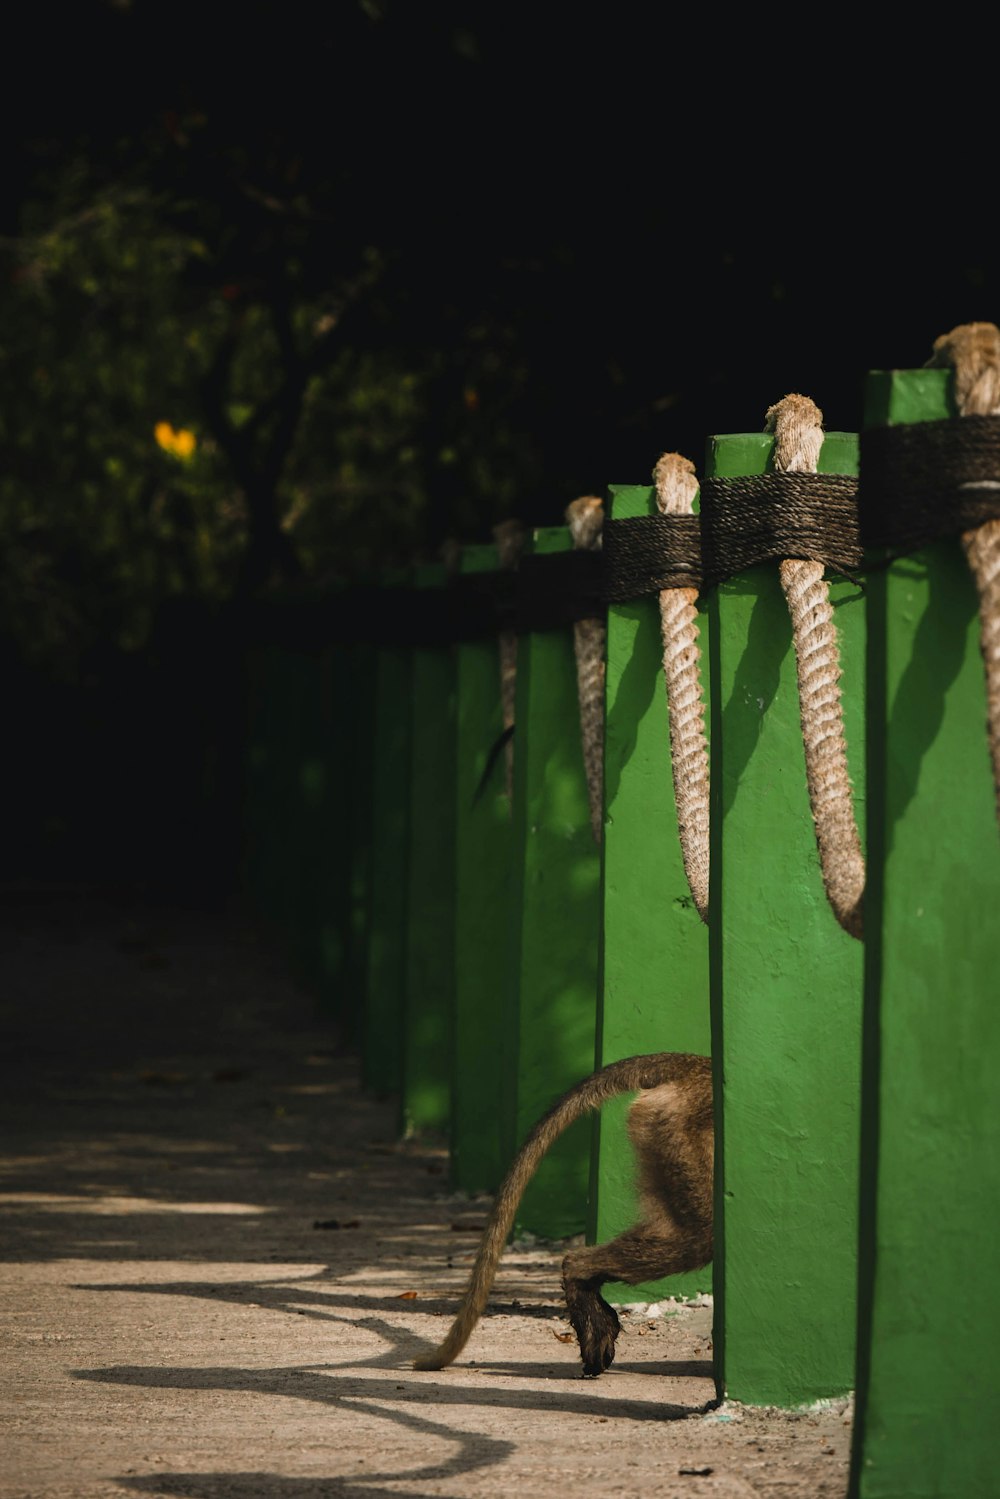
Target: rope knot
{"points": [[585, 518], [676, 484], [797, 424], [972, 350]]}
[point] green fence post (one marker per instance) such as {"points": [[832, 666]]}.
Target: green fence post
{"points": [[322, 833], [786, 985], [556, 916], [654, 990], [355, 807], [308, 781], [383, 1012], [430, 920], [483, 835], [929, 1318], [284, 784]]}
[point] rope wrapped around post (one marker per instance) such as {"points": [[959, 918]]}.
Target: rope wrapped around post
{"points": [[676, 488], [585, 518], [797, 425], [509, 537], [972, 350]]}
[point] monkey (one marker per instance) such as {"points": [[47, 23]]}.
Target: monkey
{"points": [[671, 1128]]}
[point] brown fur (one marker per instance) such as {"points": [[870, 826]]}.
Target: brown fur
{"points": [[671, 1129]]}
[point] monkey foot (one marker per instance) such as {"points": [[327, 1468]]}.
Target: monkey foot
{"points": [[596, 1326]]}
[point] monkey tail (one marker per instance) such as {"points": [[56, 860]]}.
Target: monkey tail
{"points": [[626, 1076]]}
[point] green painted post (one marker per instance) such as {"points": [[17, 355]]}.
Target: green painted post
{"points": [[320, 832], [556, 918], [382, 1016], [308, 784], [654, 995], [483, 835], [786, 996], [430, 920], [929, 1304], [356, 805], [288, 786]]}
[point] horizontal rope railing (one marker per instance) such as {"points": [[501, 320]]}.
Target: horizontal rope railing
{"points": [[743, 522], [922, 481], [476, 606], [647, 553]]}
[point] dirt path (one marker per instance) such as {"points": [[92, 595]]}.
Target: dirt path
{"points": [[218, 1264]]}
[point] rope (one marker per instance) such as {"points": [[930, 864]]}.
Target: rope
{"points": [[744, 521], [797, 424], [676, 487], [585, 518], [972, 350], [509, 536], [922, 481], [762, 517], [646, 553]]}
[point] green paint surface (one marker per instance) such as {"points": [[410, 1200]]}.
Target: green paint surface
{"points": [[289, 779], [556, 915], [322, 829], [654, 995], [383, 1020], [786, 996], [356, 811], [483, 840], [430, 918], [301, 851], [930, 1308]]}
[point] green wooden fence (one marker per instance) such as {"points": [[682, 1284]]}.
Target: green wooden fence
{"points": [[484, 953]]}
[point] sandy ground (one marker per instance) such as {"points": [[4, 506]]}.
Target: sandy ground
{"points": [[218, 1263]]}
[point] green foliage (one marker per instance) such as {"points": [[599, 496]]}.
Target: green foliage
{"points": [[140, 402], [98, 521], [213, 378]]}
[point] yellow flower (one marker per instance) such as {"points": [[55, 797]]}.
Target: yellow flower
{"points": [[180, 444]]}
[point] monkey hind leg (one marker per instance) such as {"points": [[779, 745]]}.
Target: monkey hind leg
{"points": [[595, 1323], [646, 1252]]}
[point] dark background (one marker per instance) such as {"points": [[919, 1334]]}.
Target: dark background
{"points": [[396, 272]]}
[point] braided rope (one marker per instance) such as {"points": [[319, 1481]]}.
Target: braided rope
{"points": [[796, 422], [972, 350], [585, 518], [509, 536], [982, 551], [676, 487]]}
